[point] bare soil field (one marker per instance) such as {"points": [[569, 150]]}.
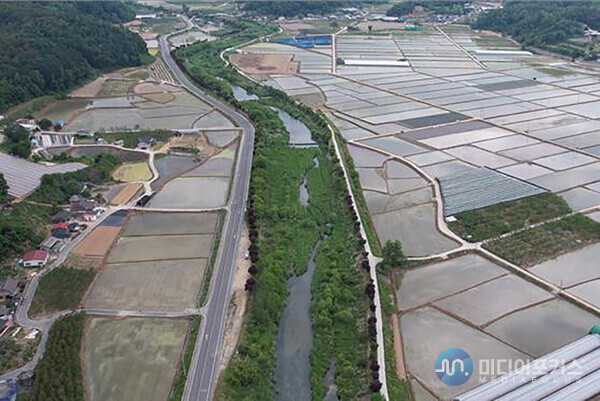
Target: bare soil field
{"points": [[89, 90], [125, 194], [98, 242], [172, 224], [116, 87], [139, 249], [168, 286], [132, 359], [265, 63]]}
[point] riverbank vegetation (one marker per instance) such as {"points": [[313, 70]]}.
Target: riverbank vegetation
{"points": [[81, 38], [58, 375], [286, 233]]}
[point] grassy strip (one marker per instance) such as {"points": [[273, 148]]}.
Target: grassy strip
{"points": [[211, 263], [398, 390], [361, 204], [61, 289], [493, 221], [184, 367], [535, 245], [58, 375]]}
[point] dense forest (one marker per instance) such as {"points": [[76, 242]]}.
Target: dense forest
{"points": [[297, 8], [541, 23], [52, 47], [58, 375], [456, 7]]}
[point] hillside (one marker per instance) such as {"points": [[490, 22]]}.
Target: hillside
{"points": [[53, 47], [547, 24]]}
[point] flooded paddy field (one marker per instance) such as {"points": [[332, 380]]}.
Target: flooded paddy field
{"points": [[478, 306], [200, 193], [171, 166], [134, 359]]}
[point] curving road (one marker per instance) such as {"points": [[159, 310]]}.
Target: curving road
{"points": [[203, 373]]}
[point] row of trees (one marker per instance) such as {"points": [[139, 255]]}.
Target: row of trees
{"points": [[52, 47], [541, 23]]}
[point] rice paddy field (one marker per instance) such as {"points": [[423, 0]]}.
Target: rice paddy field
{"points": [[473, 304], [134, 359], [158, 263], [124, 101], [449, 105]]}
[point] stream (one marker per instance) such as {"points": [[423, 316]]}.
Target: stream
{"points": [[300, 136], [241, 94], [294, 338]]}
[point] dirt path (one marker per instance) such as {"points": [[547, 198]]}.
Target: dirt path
{"points": [[398, 354], [237, 308]]}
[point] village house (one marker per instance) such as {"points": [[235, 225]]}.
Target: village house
{"points": [[9, 288], [37, 258], [145, 143]]}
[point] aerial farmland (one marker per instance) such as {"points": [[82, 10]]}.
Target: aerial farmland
{"points": [[446, 127]]}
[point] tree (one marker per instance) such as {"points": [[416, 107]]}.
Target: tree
{"points": [[393, 256], [4, 197], [45, 124]]}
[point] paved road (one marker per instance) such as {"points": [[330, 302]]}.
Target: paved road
{"points": [[203, 376]]}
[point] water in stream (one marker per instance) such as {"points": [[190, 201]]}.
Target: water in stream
{"points": [[299, 133], [241, 94], [294, 339]]}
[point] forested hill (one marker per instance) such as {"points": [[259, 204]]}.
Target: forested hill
{"points": [[53, 47], [297, 8], [541, 23]]}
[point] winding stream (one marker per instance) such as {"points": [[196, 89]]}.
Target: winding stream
{"points": [[294, 339]]}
